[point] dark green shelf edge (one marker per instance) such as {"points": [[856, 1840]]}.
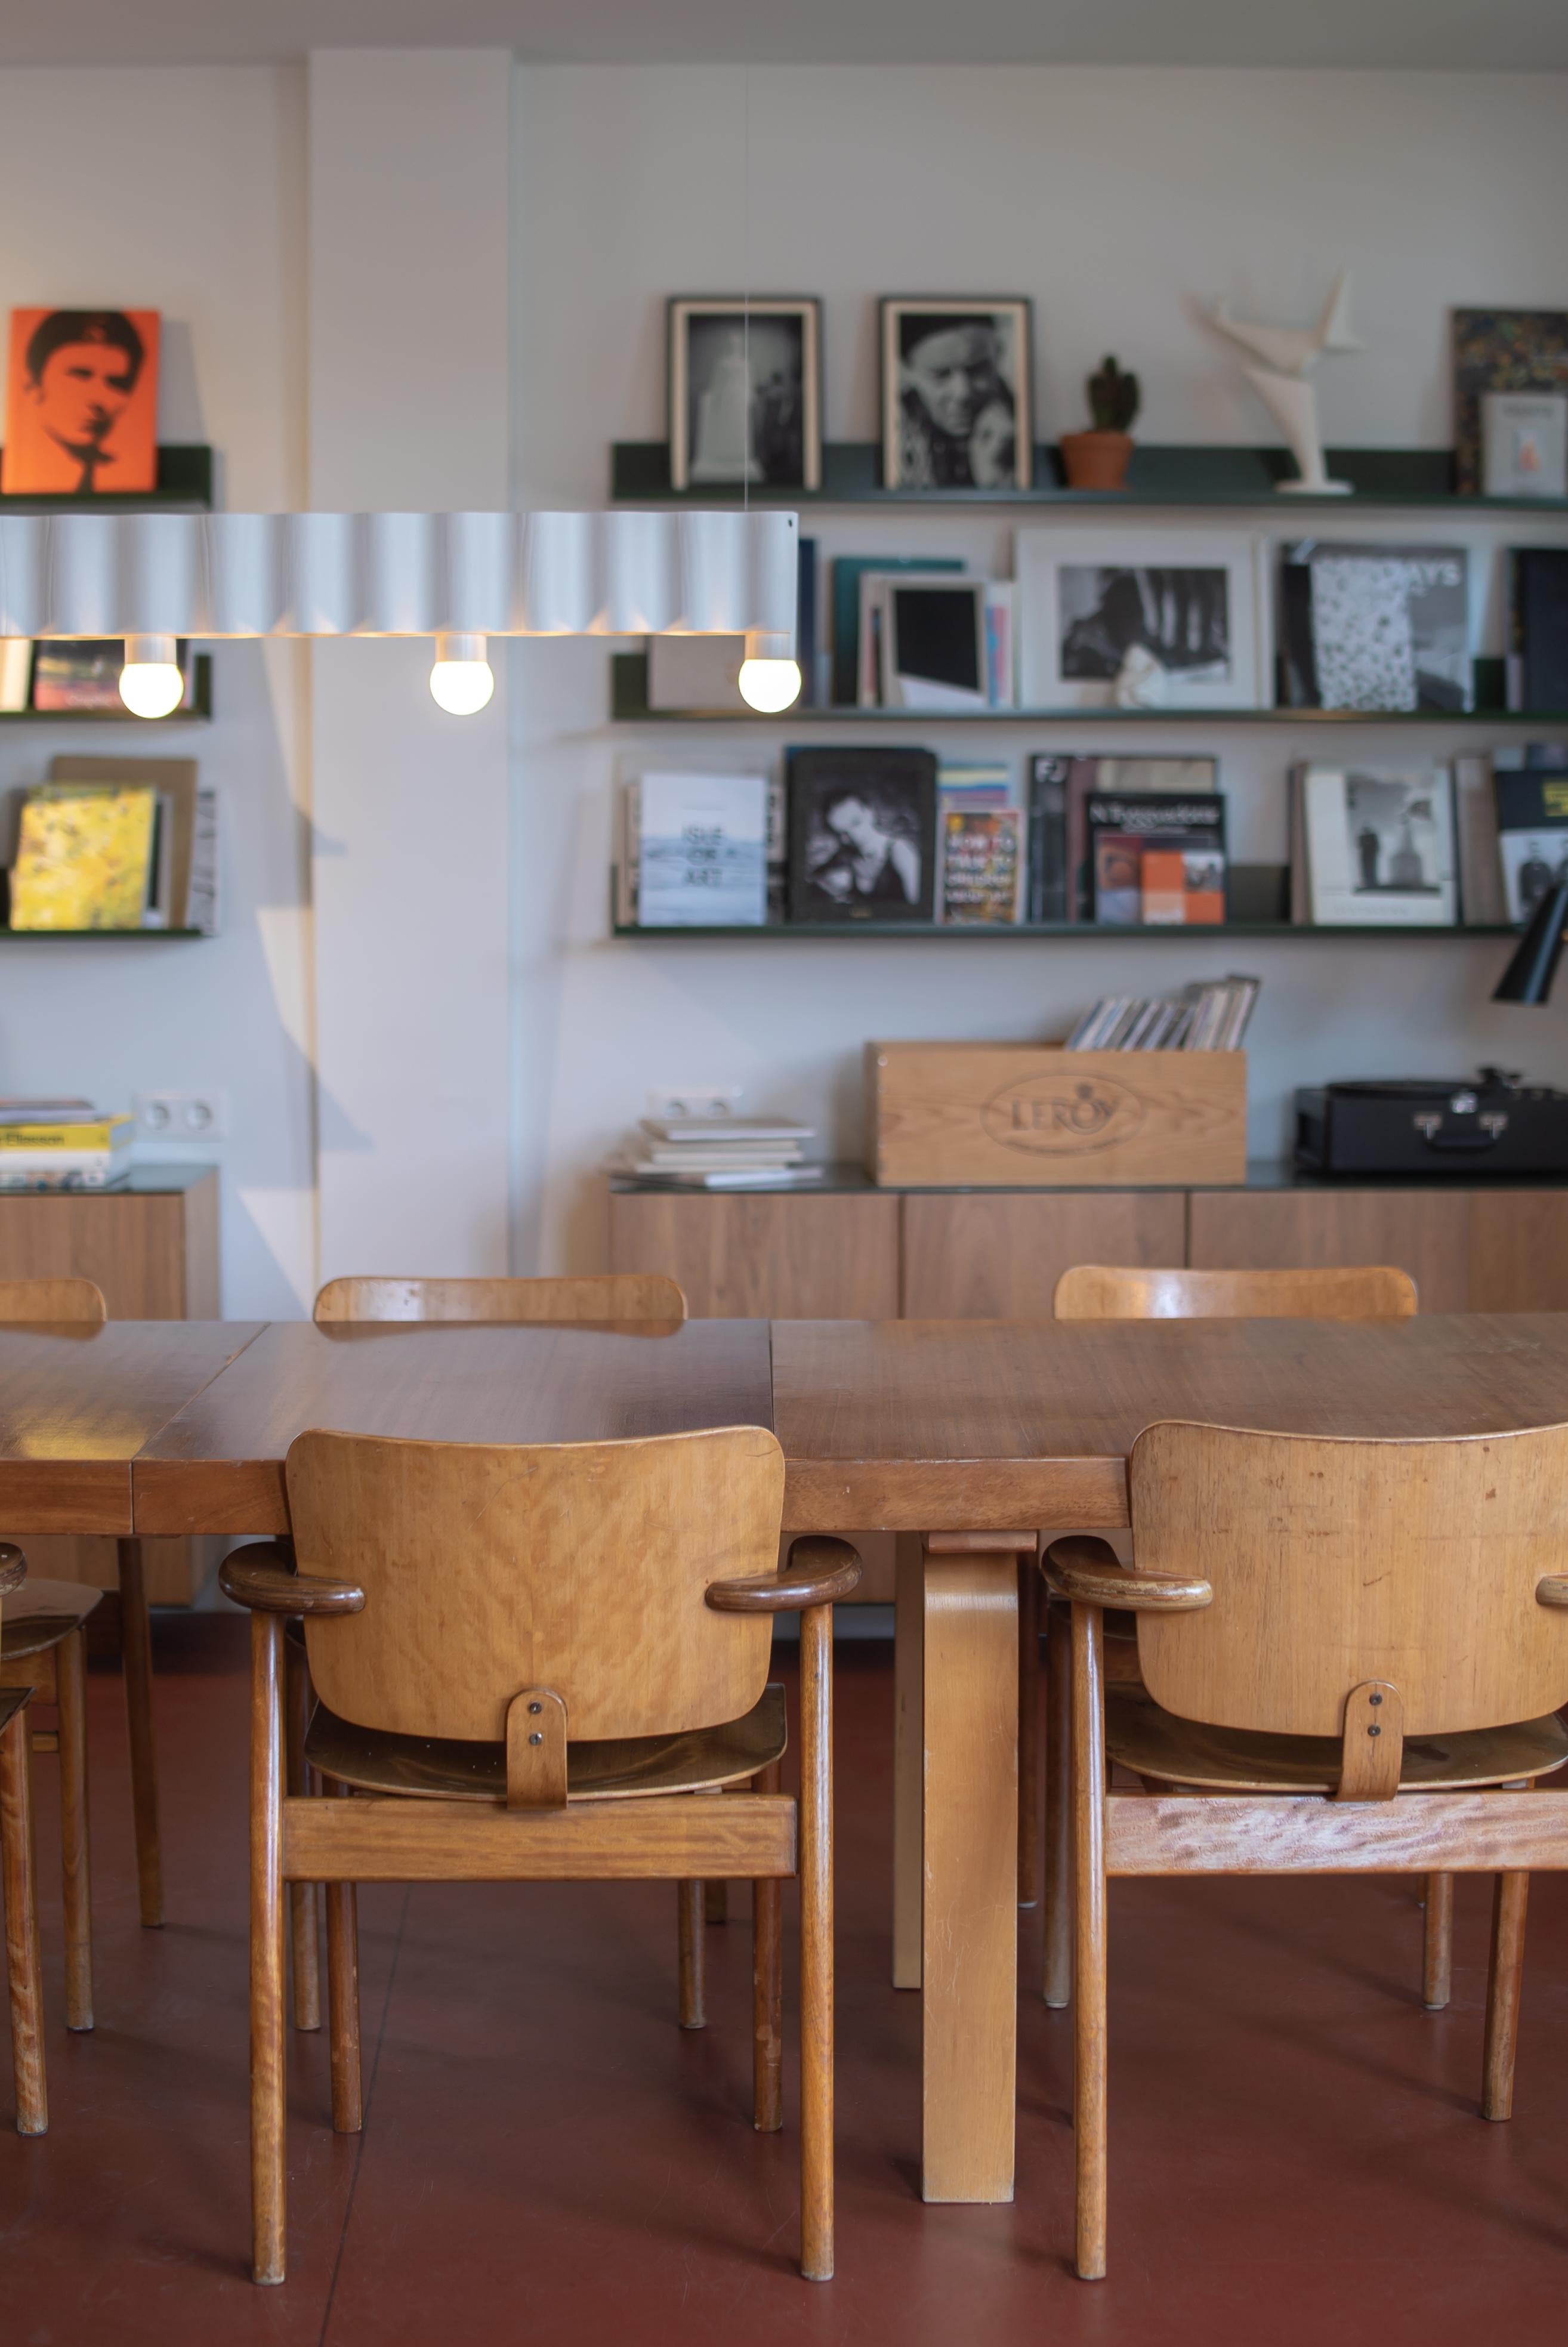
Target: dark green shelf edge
{"points": [[200, 714], [108, 937], [184, 478], [1168, 474], [1006, 932], [628, 706]]}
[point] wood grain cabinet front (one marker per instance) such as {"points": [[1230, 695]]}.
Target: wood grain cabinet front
{"points": [[997, 1256], [781, 1257], [1504, 1250]]}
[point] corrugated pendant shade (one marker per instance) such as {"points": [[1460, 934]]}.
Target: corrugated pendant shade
{"points": [[397, 574]]}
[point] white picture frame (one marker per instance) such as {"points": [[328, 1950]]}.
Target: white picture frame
{"points": [[1085, 595]]}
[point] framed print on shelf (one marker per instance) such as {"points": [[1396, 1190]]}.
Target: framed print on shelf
{"points": [[81, 404], [1500, 350], [1162, 619], [745, 392], [862, 835], [957, 404]]}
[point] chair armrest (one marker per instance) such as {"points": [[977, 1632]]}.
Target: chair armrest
{"points": [[1090, 1572], [818, 1572], [13, 1569], [263, 1577], [1552, 1590]]}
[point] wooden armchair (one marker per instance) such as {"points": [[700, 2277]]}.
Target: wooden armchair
{"points": [[19, 1871], [599, 1296], [1098, 1291], [530, 1659], [1352, 1653]]}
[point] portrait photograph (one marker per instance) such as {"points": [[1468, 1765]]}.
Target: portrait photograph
{"points": [[862, 834], [81, 404], [745, 393], [1173, 619], [957, 411]]}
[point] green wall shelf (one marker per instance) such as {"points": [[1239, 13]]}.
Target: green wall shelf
{"points": [[184, 478], [1007, 933], [106, 936], [200, 713]]}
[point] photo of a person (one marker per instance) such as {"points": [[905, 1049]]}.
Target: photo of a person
{"points": [[81, 417], [744, 393], [869, 858], [861, 836], [1394, 840], [956, 404]]}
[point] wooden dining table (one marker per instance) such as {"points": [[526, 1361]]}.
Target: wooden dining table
{"points": [[958, 1427]]}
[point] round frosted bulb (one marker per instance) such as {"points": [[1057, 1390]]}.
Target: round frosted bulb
{"points": [[770, 685], [461, 681], [150, 684]]}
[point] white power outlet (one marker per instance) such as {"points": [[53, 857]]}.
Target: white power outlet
{"points": [[694, 1100], [180, 1116]]}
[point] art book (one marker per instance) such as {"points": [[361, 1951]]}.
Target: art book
{"points": [[84, 862], [1377, 627], [1143, 776], [1379, 846], [1157, 855], [980, 863], [703, 851], [81, 404], [1532, 836]]}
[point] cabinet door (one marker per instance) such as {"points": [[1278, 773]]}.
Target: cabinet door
{"points": [[998, 1255], [1423, 1231], [777, 1257], [1518, 1250]]}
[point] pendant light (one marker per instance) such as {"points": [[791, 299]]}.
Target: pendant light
{"points": [[462, 680], [150, 684]]}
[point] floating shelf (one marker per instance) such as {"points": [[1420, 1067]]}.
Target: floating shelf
{"points": [[1004, 933], [1159, 476], [628, 706], [199, 713], [108, 937], [184, 478]]}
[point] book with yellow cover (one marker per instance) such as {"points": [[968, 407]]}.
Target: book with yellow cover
{"points": [[100, 1133], [83, 863]]}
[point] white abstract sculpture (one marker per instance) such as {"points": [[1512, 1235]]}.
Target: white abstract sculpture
{"points": [[1290, 353]]}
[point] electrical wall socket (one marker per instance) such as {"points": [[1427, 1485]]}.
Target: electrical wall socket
{"points": [[694, 1100], [180, 1116]]}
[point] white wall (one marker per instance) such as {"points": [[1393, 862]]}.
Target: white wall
{"points": [[182, 190], [1113, 198]]}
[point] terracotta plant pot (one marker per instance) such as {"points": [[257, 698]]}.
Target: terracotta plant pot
{"points": [[1097, 460]]}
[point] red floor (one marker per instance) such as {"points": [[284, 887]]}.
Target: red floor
{"points": [[1295, 2150]]}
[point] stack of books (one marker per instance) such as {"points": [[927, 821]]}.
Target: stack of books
{"points": [[1211, 1017], [62, 1144], [718, 1152]]}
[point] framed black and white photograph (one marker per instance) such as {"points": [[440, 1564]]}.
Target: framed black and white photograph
{"points": [[958, 407], [862, 835], [1156, 620], [745, 392], [1380, 845]]}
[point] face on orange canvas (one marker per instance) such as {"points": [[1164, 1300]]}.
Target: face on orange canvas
{"points": [[81, 404]]}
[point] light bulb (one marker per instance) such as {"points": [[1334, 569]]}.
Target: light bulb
{"points": [[461, 681], [150, 684], [770, 676]]}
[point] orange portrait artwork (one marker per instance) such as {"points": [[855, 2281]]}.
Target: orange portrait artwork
{"points": [[81, 404]]}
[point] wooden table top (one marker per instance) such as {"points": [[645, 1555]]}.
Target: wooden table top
{"points": [[217, 1466], [171, 1427], [77, 1403], [920, 1425]]}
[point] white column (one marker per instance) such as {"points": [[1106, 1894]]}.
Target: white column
{"points": [[408, 372]]}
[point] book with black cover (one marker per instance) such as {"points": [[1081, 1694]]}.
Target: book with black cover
{"points": [[1045, 897], [1538, 628], [1124, 826], [1532, 835], [1375, 626]]}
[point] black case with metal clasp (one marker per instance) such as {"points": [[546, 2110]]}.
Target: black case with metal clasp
{"points": [[1432, 1127]]}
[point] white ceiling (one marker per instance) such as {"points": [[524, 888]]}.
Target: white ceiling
{"points": [[1450, 34]]}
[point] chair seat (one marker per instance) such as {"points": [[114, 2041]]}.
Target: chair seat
{"points": [[445, 1769], [42, 1613], [1156, 1743]]}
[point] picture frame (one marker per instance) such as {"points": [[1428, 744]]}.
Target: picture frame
{"points": [[81, 402], [1171, 620], [862, 835], [957, 393], [1500, 350], [745, 392]]}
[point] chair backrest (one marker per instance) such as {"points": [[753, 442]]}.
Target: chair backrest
{"points": [[1335, 1562], [52, 1299], [1374, 1291], [488, 1568], [601, 1295]]}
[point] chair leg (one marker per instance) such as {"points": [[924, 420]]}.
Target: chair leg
{"points": [[767, 1988], [343, 1992], [1089, 1939], [1437, 1943], [816, 1943], [304, 1938], [71, 1697], [693, 1965], [1508, 1901], [135, 1637], [1058, 1807], [24, 1957], [1027, 1731], [269, 2033]]}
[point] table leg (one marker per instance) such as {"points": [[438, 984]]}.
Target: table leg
{"points": [[970, 1927], [908, 1755], [136, 1635]]}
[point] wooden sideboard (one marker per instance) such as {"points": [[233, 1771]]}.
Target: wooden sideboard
{"points": [[849, 1250], [151, 1244]]}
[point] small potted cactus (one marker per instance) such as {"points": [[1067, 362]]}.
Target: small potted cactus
{"points": [[1099, 459]]}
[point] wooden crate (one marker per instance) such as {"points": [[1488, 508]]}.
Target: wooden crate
{"points": [[1028, 1116]]}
